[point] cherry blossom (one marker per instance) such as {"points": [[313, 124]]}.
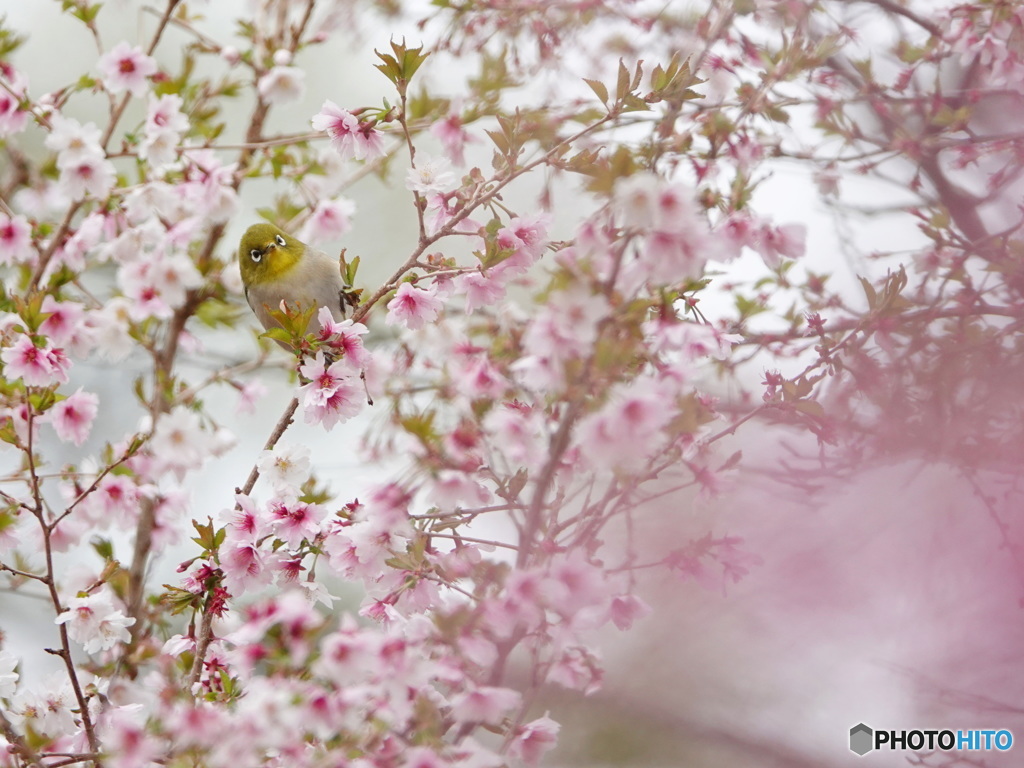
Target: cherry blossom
{"points": [[333, 394], [430, 175], [344, 338], [73, 141], [330, 219], [286, 467], [627, 429], [94, 622], [179, 444], [786, 241], [15, 240], [480, 290], [572, 354], [37, 366], [294, 521], [349, 137], [90, 175], [485, 704], [163, 113], [534, 739], [126, 68], [47, 708], [413, 307], [12, 117], [281, 85], [453, 137], [625, 609], [72, 418]]}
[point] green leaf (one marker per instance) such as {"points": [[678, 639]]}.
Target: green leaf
{"points": [[598, 88], [103, 547], [277, 334], [622, 85]]}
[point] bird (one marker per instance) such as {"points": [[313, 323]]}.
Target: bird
{"points": [[277, 267]]}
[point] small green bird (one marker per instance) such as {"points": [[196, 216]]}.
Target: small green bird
{"points": [[277, 267]]}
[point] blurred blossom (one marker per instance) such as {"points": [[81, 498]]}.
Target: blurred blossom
{"points": [[330, 220], [431, 175], [282, 85], [72, 418]]}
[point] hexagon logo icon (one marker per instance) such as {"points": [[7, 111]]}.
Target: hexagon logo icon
{"points": [[861, 738]]}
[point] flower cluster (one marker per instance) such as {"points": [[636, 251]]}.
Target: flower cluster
{"points": [[558, 360]]}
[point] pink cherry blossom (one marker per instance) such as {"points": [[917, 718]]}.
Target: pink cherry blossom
{"points": [[281, 85], [12, 117], [534, 739], [179, 443], [330, 220], [423, 757], [451, 489], [625, 609], [294, 521], [577, 669], [788, 241], [37, 366], [344, 338], [627, 429], [89, 175], [349, 137], [738, 231], [333, 394], [485, 704], [339, 124], [63, 322], [15, 240], [324, 380], [249, 394], [94, 622], [453, 137], [159, 147], [126, 738], [480, 290], [125, 68], [246, 520], [413, 307], [164, 114], [115, 500], [72, 418], [525, 238], [518, 433]]}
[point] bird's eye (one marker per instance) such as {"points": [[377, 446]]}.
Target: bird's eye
{"points": [[280, 240], [256, 255]]}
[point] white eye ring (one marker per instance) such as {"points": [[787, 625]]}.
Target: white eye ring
{"points": [[256, 255], [280, 240]]}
